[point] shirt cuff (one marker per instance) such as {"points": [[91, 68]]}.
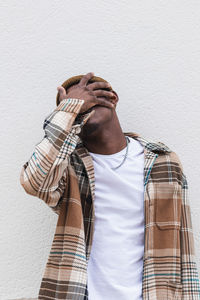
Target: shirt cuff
{"points": [[70, 105]]}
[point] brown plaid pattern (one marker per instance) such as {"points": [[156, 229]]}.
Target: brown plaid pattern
{"points": [[60, 172]]}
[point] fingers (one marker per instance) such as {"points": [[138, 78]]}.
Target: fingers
{"points": [[103, 93], [98, 85], [103, 102], [84, 80], [62, 92]]}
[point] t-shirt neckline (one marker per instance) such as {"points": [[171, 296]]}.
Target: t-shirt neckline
{"points": [[119, 153]]}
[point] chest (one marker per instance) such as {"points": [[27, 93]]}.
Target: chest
{"points": [[157, 182], [156, 179]]}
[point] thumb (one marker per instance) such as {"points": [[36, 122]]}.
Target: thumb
{"points": [[61, 90]]}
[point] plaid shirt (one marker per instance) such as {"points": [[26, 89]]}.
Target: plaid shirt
{"points": [[60, 172]]}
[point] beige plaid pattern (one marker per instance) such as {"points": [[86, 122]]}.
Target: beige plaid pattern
{"points": [[60, 172]]}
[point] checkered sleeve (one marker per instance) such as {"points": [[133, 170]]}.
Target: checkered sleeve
{"points": [[189, 271], [44, 175]]}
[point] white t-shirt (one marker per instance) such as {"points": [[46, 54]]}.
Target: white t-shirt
{"points": [[116, 261]]}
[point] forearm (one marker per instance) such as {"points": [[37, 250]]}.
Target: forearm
{"points": [[44, 174]]}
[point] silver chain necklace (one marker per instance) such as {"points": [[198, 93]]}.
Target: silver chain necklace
{"points": [[125, 156]]}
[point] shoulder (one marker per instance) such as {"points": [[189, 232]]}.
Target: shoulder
{"points": [[176, 159], [170, 162], [170, 153]]}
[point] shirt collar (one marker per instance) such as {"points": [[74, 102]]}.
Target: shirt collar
{"points": [[148, 143]]}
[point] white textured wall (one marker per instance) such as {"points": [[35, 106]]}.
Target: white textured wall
{"points": [[148, 50]]}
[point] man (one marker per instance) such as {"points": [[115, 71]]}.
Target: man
{"points": [[124, 227]]}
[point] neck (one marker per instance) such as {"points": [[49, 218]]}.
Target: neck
{"points": [[108, 140]]}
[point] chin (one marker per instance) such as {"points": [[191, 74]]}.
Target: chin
{"points": [[98, 120]]}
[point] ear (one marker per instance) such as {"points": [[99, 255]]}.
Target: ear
{"points": [[117, 99]]}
